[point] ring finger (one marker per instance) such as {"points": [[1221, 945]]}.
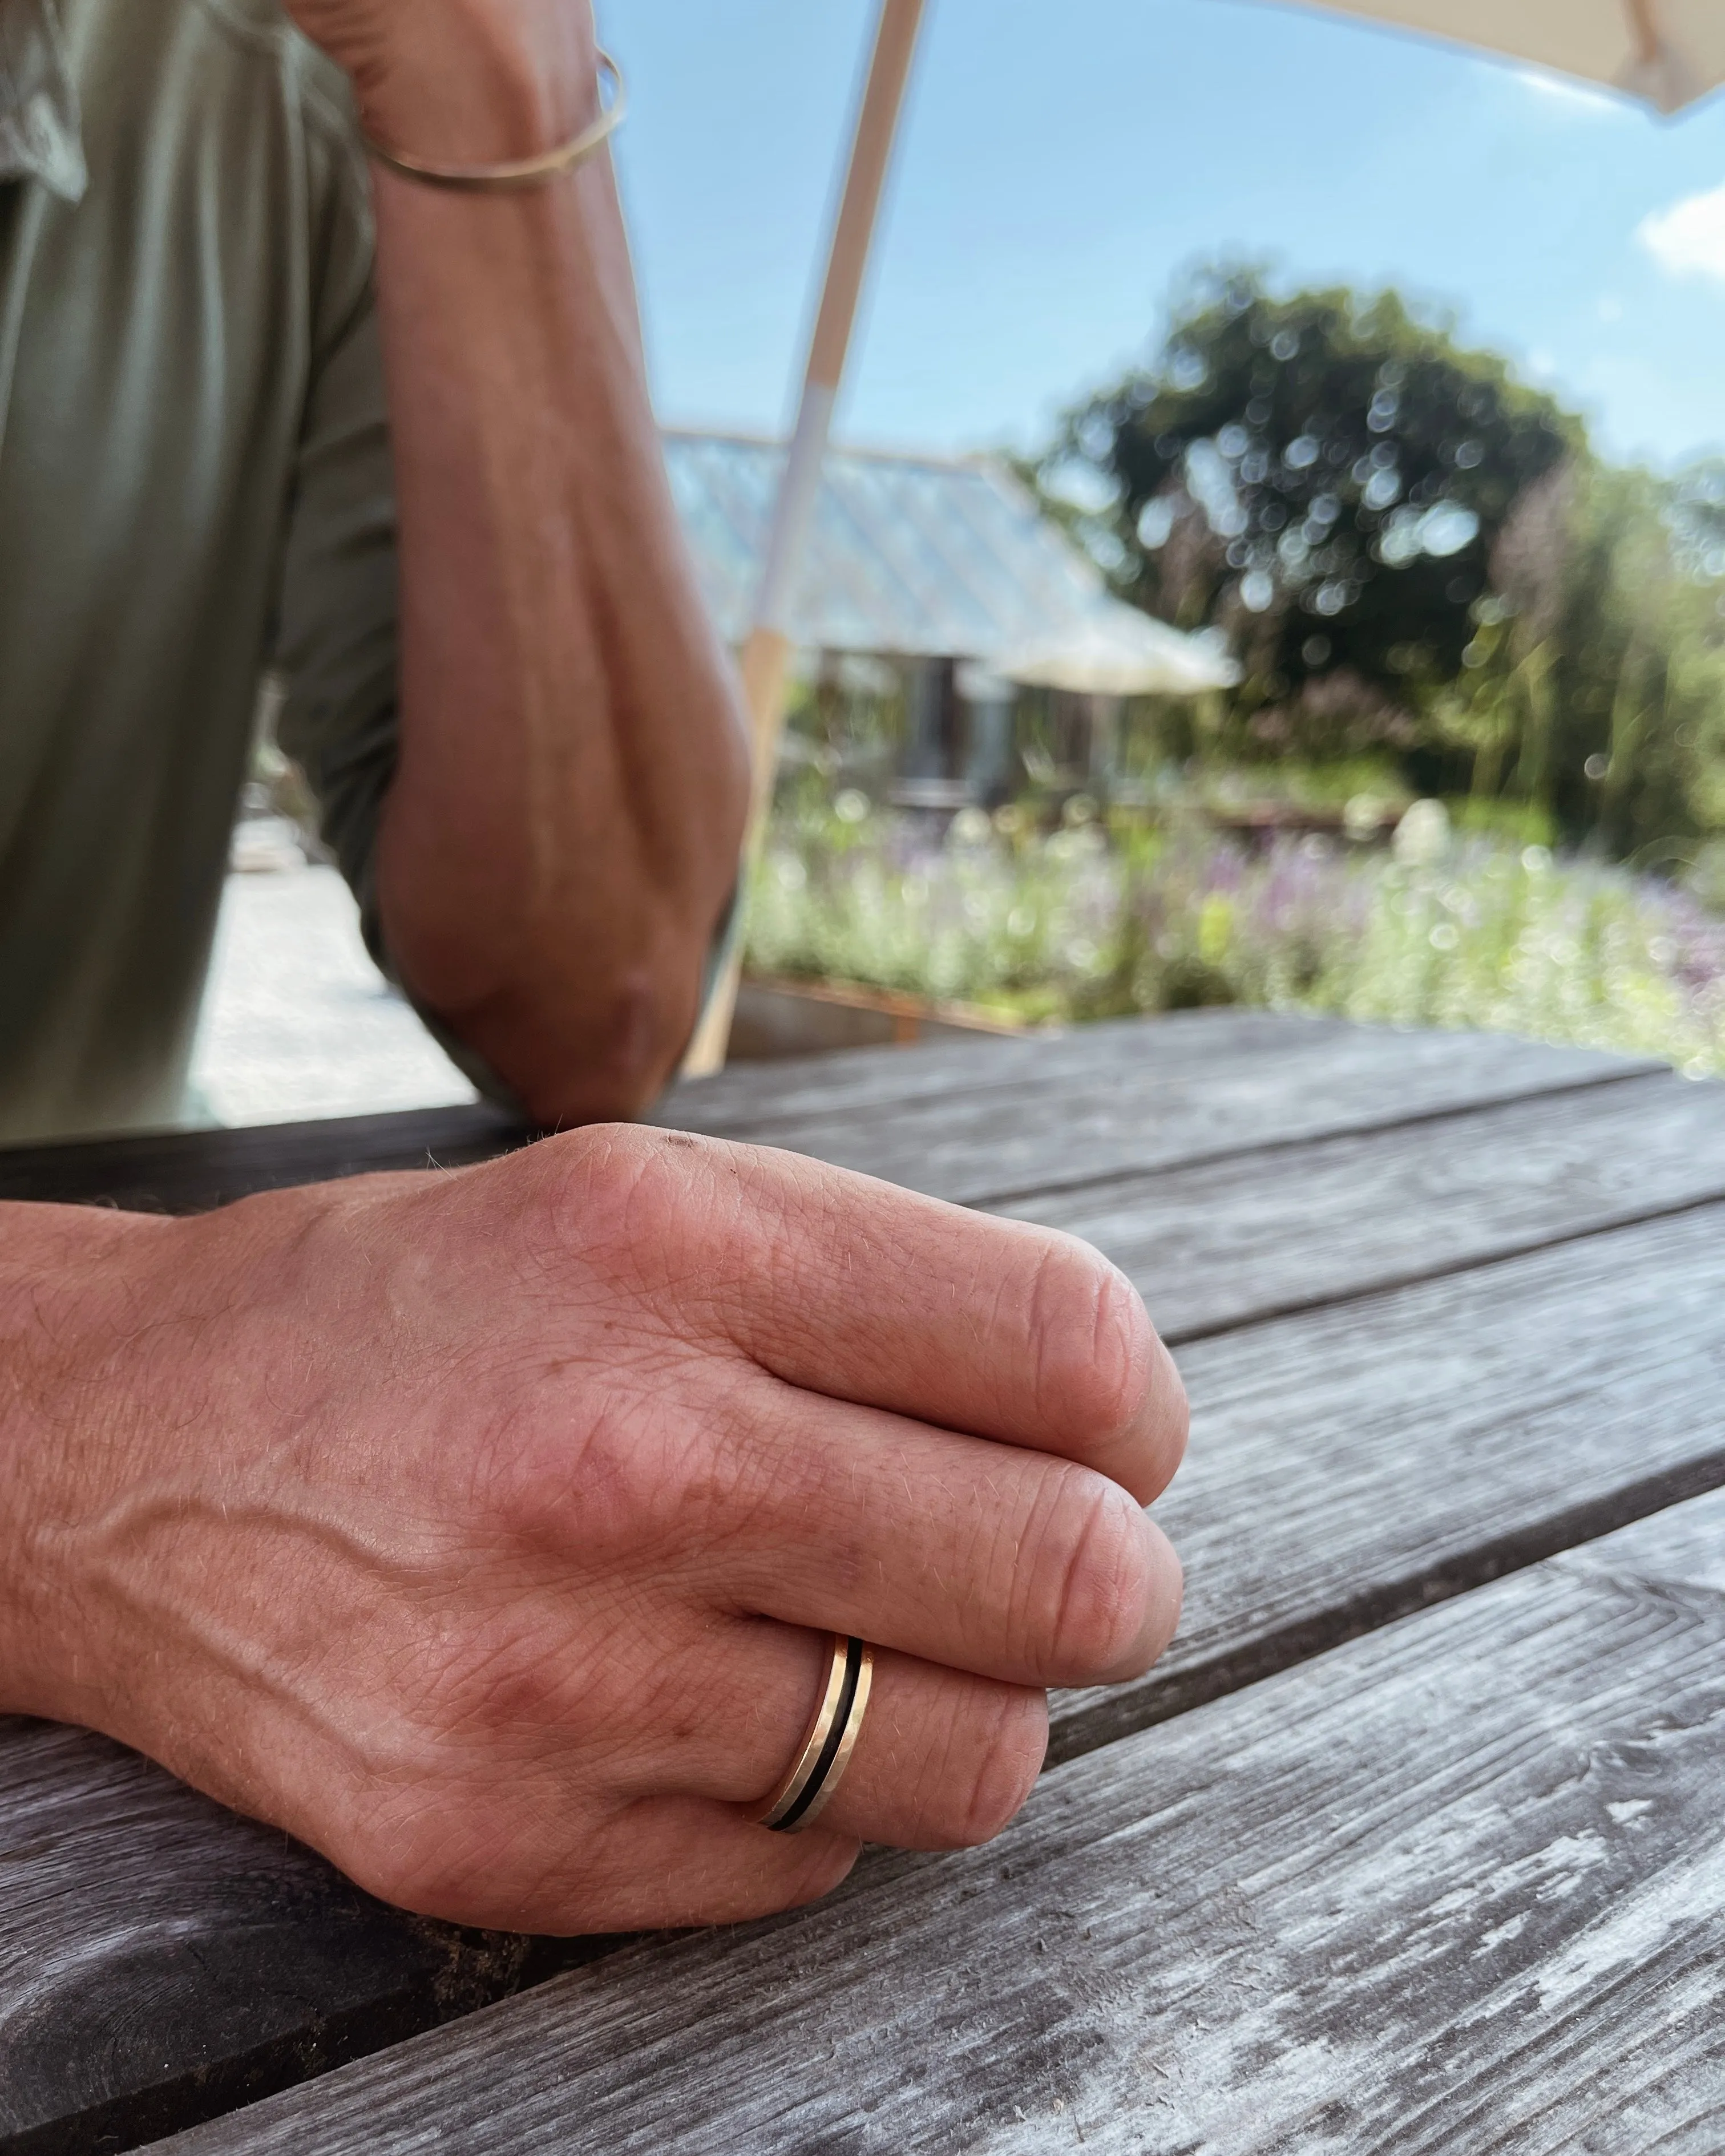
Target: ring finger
{"points": [[942, 1760]]}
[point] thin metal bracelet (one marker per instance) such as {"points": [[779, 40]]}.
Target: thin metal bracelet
{"points": [[525, 172]]}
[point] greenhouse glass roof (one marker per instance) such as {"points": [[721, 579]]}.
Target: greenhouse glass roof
{"points": [[911, 556]]}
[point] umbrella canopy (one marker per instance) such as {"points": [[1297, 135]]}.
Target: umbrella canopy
{"points": [[1121, 653], [1667, 52]]}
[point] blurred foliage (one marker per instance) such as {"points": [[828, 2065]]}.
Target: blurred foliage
{"points": [[1323, 474], [1102, 917], [1414, 554], [1594, 689]]}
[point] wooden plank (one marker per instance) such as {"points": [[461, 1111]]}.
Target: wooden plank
{"points": [[767, 1100], [1257, 1234], [1134, 1095], [1348, 1466], [193, 1171], [766, 1096], [1353, 1464], [161, 1959], [1458, 1887], [1062, 1124]]}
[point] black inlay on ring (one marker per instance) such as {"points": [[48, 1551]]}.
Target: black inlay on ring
{"points": [[836, 1737]]}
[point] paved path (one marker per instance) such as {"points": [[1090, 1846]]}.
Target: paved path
{"points": [[298, 1022]]}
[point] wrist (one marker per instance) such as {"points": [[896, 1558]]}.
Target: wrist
{"points": [[511, 99], [74, 1296]]}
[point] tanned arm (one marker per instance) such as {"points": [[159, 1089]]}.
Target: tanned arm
{"points": [[563, 833]]}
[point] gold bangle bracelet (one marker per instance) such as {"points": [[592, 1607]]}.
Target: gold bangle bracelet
{"points": [[525, 172], [825, 1754]]}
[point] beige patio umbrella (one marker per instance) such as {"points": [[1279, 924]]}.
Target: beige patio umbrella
{"points": [[766, 651], [1668, 52]]}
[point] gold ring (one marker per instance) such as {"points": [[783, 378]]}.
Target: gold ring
{"points": [[826, 1751]]}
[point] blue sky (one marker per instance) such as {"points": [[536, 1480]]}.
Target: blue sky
{"points": [[1064, 160]]}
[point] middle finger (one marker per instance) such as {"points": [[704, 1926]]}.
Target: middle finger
{"points": [[986, 1558]]}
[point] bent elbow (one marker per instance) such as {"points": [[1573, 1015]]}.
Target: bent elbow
{"points": [[607, 1063]]}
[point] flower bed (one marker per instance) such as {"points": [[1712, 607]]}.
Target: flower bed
{"points": [[1083, 923]]}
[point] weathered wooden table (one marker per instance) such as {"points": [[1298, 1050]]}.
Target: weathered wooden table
{"points": [[1413, 1842]]}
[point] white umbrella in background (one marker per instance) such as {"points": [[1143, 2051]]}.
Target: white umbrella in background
{"points": [[1668, 52], [1122, 653]]}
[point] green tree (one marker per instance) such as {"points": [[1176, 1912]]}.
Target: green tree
{"points": [[1594, 689], [1411, 550], [1325, 475]]}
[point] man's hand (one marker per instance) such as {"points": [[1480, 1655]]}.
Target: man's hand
{"points": [[483, 1529]]}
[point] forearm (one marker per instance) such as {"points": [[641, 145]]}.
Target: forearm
{"points": [[563, 829]]}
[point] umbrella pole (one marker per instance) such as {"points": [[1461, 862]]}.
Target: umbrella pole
{"points": [[766, 652]]}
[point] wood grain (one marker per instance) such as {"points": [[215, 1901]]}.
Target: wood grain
{"points": [[1135, 1104], [160, 1960], [1353, 1464], [1457, 1887], [867, 1081], [1229, 1242]]}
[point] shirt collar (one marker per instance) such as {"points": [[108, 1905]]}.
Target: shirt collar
{"points": [[40, 138]]}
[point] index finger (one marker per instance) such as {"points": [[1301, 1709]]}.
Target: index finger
{"points": [[853, 1288]]}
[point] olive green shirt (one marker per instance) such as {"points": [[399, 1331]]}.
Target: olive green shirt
{"points": [[194, 485]]}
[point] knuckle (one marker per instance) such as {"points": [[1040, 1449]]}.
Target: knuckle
{"points": [[1095, 1347], [558, 1472], [647, 1460], [605, 1189], [1010, 1743], [430, 1851], [1095, 1573], [665, 1220]]}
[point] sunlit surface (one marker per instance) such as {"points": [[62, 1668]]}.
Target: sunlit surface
{"points": [[298, 1023]]}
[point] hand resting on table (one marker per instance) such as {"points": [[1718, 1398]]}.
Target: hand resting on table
{"points": [[483, 1529]]}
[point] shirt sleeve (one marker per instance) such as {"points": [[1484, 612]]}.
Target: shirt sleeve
{"points": [[337, 621]]}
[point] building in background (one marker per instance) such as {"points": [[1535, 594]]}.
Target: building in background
{"points": [[942, 619]]}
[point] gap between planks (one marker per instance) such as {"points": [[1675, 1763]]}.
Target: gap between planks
{"points": [[1380, 1496], [1386, 1597], [1457, 1886], [1351, 1465], [1298, 1141]]}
